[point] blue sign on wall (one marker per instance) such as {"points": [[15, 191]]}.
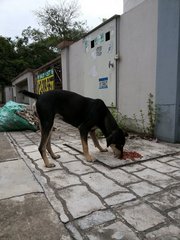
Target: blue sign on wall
{"points": [[103, 83]]}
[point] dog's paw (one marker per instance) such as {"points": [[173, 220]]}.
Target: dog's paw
{"points": [[89, 158], [56, 156], [50, 165], [104, 150]]}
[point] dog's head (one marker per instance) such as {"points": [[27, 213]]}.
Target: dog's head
{"points": [[116, 141]]}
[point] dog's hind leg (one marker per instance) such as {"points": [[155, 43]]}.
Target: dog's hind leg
{"points": [[45, 132], [49, 147], [96, 142]]}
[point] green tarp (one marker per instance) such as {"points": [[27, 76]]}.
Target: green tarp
{"points": [[10, 121]]}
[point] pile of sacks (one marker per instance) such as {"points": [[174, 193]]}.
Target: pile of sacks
{"points": [[17, 117]]}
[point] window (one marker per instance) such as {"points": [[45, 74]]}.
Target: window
{"points": [[107, 36], [92, 44]]}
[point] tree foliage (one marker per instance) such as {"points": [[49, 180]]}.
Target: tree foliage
{"points": [[36, 47], [7, 56], [18, 55], [61, 20]]}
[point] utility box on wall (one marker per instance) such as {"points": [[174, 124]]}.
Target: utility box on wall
{"points": [[100, 53]]}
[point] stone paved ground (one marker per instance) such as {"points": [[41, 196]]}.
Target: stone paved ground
{"points": [[139, 201]]}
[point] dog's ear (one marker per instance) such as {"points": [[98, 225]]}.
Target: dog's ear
{"points": [[109, 140]]}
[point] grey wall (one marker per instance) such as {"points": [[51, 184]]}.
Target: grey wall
{"points": [[130, 4], [8, 93], [138, 50], [168, 78], [72, 67], [24, 81]]}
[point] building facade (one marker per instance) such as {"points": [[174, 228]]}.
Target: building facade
{"points": [[129, 58]]}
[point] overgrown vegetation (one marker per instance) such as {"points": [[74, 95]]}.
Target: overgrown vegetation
{"points": [[145, 125]]}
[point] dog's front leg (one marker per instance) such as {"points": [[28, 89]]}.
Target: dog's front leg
{"points": [[96, 142], [84, 141], [86, 150]]}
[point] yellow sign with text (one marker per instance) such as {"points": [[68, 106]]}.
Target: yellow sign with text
{"points": [[45, 82]]}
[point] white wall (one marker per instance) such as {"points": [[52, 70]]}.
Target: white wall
{"points": [[130, 4], [8, 93], [136, 44], [24, 81], [72, 58], [138, 50], [84, 67]]}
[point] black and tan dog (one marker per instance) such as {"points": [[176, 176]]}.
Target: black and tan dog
{"points": [[86, 114]]}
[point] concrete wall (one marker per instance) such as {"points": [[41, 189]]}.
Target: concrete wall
{"points": [[76, 63], [73, 67], [133, 76], [147, 41], [168, 71], [86, 67], [8, 93], [130, 4], [23, 81], [137, 68]]}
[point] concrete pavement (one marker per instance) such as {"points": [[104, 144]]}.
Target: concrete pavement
{"points": [[81, 200], [25, 212]]}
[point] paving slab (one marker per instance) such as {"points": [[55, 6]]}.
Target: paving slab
{"points": [[40, 165], [34, 155], [119, 175], [7, 151], [175, 191], [80, 201], [61, 178], [160, 167], [30, 148], [66, 157], [104, 187], [16, 179], [148, 149], [78, 167], [96, 218], [30, 217], [74, 232], [170, 232], [175, 174], [144, 188], [120, 198], [141, 216], [113, 231], [158, 179], [175, 214], [164, 201], [175, 163]]}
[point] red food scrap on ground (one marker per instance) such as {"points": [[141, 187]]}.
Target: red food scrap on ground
{"points": [[131, 155]]}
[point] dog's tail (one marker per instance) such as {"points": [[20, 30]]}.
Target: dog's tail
{"points": [[29, 94]]}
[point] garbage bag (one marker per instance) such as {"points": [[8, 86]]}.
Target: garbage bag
{"points": [[10, 121]]}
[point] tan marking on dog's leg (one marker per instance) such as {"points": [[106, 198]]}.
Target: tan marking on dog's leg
{"points": [[117, 152], [54, 156], [86, 151], [42, 149], [96, 142]]}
